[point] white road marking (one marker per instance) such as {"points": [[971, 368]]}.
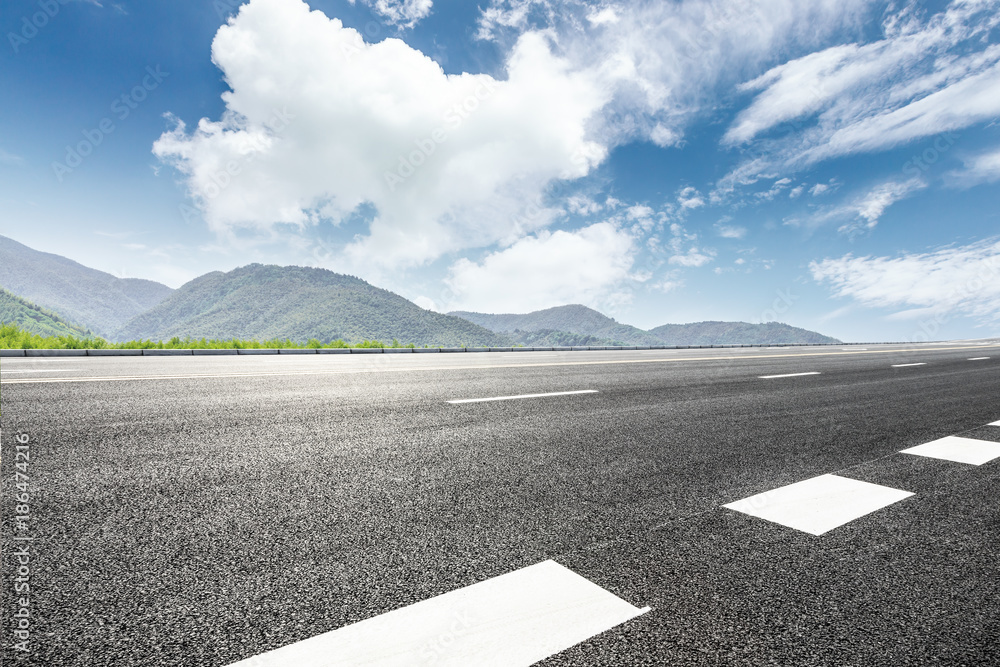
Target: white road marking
{"points": [[978, 358], [39, 370], [787, 375], [854, 349], [513, 620], [921, 363], [511, 398], [996, 423], [959, 450], [820, 504]]}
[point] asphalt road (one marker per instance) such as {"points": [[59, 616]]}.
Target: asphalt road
{"points": [[202, 510]]}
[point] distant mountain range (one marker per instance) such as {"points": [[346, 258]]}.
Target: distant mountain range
{"points": [[32, 317], [53, 295], [573, 319], [300, 303], [718, 333], [559, 326], [88, 297]]}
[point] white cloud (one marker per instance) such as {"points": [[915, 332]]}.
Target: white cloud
{"points": [[818, 189], [693, 257], [425, 302], [639, 211], [731, 231], [592, 266], [604, 16], [10, 158], [405, 13], [665, 60], [445, 161], [923, 78], [863, 211], [982, 168], [796, 191], [689, 197], [962, 280], [581, 205]]}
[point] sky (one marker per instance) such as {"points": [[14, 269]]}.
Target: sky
{"points": [[832, 164]]}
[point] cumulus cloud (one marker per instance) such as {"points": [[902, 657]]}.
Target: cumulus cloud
{"points": [[923, 78], [320, 124], [592, 266], [689, 197], [961, 280]]}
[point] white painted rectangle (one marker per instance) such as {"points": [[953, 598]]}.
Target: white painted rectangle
{"points": [[906, 365], [511, 398], [959, 450], [819, 504], [996, 423], [978, 358], [513, 620], [787, 375]]}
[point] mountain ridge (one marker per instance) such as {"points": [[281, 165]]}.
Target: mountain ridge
{"points": [[565, 322], [77, 293], [261, 301]]}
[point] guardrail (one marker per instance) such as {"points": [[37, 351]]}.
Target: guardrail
{"points": [[156, 352]]}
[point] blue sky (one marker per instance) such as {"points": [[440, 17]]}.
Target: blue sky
{"points": [[831, 164]]}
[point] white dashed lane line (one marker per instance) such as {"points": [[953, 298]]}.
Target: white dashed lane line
{"points": [[515, 620], [921, 363], [978, 358], [511, 398], [820, 504], [787, 375]]}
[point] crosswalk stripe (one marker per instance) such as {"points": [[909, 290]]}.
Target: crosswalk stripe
{"points": [[513, 620], [959, 450], [819, 504]]}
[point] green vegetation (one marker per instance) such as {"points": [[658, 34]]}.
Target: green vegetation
{"points": [[14, 337], [550, 338], [35, 319], [299, 304], [96, 300]]}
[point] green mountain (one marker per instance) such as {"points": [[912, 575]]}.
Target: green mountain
{"points": [[299, 303], [573, 319], [720, 333], [37, 320], [552, 338], [95, 299]]}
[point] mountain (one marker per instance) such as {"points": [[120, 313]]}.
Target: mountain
{"points": [[719, 333], [573, 319], [267, 301], [95, 299], [34, 318]]}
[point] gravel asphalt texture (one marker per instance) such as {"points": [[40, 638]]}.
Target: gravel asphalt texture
{"points": [[232, 505]]}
